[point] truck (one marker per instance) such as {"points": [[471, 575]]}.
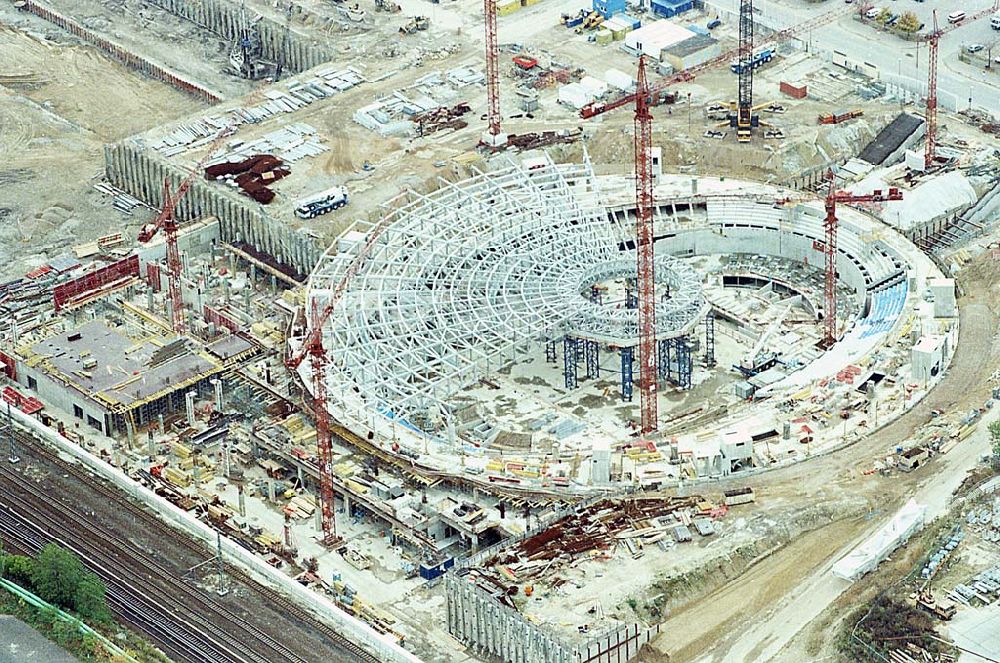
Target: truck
{"points": [[321, 203], [759, 58], [940, 608]]}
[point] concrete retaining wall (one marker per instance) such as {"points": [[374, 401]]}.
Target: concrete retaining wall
{"points": [[119, 53], [293, 50], [141, 173], [353, 629]]}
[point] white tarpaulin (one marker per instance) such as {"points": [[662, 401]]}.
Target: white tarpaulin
{"points": [[869, 554]]}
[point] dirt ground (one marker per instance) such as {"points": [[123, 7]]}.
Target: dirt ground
{"points": [[52, 135], [708, 624]]}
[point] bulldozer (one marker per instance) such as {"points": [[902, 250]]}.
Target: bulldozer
{"points": [[415, 24]]}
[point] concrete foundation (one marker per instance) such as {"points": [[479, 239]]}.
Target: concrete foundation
{"points": [[127, 58], [141, 173], [223, 18]]}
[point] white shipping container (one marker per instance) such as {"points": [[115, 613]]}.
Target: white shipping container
{"points": [[594, 86], [619, 80], [574, 95]]}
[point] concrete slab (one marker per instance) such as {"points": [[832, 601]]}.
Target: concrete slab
{"points": [[977, 630], [19, 643]]}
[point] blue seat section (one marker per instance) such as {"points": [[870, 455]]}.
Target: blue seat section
{"points": [[887, 304]]}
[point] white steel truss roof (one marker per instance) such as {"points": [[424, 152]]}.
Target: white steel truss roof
{"points": [[463, 280]]}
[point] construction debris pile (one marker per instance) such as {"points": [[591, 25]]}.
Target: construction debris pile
{"points": [[438, 119], [252, 175], [595, 532], [432, 100], [327, 82]]}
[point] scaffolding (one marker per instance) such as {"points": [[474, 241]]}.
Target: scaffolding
{"points": [[627, 356], [550, 351], [710, 339], [569, 362], [592, 357]]}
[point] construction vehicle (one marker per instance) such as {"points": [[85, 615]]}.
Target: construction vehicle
{"points": [[525, 62], [840, 116], [758, 59], [759, 358], [387, 6], [321, 203], [415, 24], [574, 20], [595, 108], [924, 599], [591, 22]]}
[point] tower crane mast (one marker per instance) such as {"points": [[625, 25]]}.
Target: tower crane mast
{"points": [[932, 40], [312, 347], [744, 108], [833, 197], [493, 136], [656, 90], [644, 253]]}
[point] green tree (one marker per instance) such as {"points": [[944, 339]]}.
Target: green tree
{"points": [[908, 22], [995, 437], [18, 569], [89, 601], [56, 574], [884, 15]]}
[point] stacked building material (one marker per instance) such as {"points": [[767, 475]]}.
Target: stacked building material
{"points": [[252, 175]]}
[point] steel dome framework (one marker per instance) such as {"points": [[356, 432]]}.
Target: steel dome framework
{"points": [[463, 280]]}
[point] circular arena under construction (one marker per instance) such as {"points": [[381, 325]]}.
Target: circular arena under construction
{"points": [[489, 328]]}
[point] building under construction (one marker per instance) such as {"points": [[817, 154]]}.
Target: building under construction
{"points": [[112, 380], [472, 352]]}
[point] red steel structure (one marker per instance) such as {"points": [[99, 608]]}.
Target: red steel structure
{"points": [[598, 107], [932, 53], [166, 222], [830, 249], [644, 253], [93, 283], [492, 70], [312, 347]]}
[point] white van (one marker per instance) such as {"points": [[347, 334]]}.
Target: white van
{"points": [[995, 21], [956, 17], [872, 13]]}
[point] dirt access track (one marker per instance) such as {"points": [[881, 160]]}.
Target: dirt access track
{"points": [[709, 629]]}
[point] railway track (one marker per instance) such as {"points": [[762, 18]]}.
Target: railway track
{"points": [[188, 623]]}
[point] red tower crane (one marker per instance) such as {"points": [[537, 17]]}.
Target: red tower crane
{"points": [[932, 54], [312, 347], [830, 248], [644, 253], [493, 136], [657, 90], [166, 222]]}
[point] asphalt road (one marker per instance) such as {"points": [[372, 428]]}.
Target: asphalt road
{"points": [[891, 54]]}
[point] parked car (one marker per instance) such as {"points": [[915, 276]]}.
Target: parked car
{"points": [[713, 24], [872, 13], [974, 48]]}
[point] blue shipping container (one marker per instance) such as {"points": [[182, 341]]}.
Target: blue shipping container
{"points": [[609, 8], [671, 8]]}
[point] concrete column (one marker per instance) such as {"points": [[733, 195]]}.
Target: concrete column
{"points": [[189, 406], [217, 384], [242, 500]]}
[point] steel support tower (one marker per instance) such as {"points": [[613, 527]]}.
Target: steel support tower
{"points": [[744, 108], [645, 284], [493, 136]]}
